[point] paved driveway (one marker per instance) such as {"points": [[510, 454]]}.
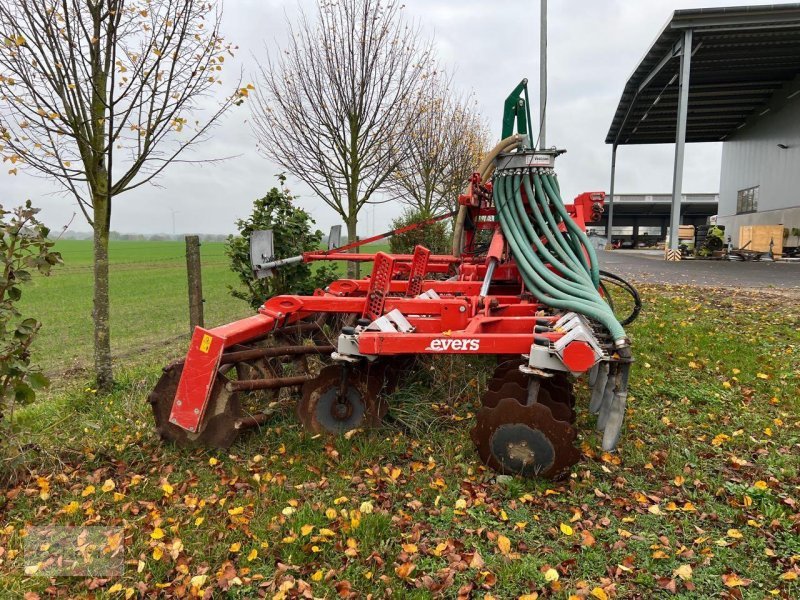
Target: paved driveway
{"points": [[652, 268]]}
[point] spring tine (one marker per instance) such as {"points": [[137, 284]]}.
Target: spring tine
{"points": [[599, 388], [593, 374], [608, 397]]}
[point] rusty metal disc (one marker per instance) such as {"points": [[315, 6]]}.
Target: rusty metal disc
{"points": [[561, 410], [515, 439], [323, 409], [218, 429], [559, 386]]}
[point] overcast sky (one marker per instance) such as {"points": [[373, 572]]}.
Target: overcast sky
{"points": [[593, 47]]}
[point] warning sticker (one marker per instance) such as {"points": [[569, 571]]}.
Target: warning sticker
{"points": [[205, 344]]}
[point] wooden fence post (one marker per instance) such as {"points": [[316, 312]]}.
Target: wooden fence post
{"points": [[195, 282]]}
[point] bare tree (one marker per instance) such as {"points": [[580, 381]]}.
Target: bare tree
{"points": [[443, 146], [333, 106], [100, 95]]}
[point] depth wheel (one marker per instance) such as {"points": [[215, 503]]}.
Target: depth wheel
{"points": [[524, 440], [219, 427], [329, 405]]}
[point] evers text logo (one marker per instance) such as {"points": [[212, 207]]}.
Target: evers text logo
{"points": [[462, 345]]}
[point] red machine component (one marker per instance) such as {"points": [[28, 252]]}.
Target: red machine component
{"points": [[346, 347]]}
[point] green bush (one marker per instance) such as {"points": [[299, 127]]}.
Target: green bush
{"points": [[293, 233], [434, 236], [24, 248]]}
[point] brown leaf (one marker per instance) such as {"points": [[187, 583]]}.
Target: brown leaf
{"points": [[477, 561], [404, 570], [587, 539], [665, 583]]}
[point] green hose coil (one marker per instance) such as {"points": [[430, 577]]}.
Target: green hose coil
{"points": [[563, 272]]}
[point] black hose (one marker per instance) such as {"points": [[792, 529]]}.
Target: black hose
{"points": [[628, 287]]}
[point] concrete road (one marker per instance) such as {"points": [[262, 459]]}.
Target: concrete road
{"points": [[650, 267]]}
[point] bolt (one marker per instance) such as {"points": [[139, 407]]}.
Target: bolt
{"points": [[172, 420], [179, 403], [197, 411], [462, 308]]}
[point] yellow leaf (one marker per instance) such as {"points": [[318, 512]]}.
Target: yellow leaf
{"points": [[533, 596], [326, 532], [317, 576], [599, 593], [252, 555], [157, 553], [330, 513], [789, 576], [199, 521], [504, 544], [87, 491], [565, 529], [107, 487], [762, 375], [198, 581], [213, 461], [167, 488], [410, 548], [306, 529], [461, 504], [157, 534], [117, 587], [71, 507], [684, 572], [237, 510], [404, 570], [235, 547], [735, 533], [366, 508], [129, 592], [340, 500], [551, 575]]}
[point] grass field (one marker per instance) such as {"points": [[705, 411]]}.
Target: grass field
{"points": [[701, 500], [149, 305]]}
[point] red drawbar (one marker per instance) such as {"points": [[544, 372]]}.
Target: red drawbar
{"points": [[578, 356]]}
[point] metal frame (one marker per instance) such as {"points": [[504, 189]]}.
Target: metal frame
{"points": [[459, 315]]}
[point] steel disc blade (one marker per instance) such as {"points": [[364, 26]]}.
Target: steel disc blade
{"points": [[218, 428], [526, 440], [320, 409]]}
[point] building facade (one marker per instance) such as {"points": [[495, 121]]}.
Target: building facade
{"points": [[760, 176]]}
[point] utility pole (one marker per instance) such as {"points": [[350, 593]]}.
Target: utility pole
{"points": [[174, 212], [195, 282], [542, 74]]}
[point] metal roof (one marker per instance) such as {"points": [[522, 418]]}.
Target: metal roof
{"points": [[740, 57]]}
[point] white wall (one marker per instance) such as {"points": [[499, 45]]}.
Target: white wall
{"points": [[750, 158]]}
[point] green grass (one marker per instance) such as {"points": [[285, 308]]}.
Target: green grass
{"points": [[707, 477], [149, 301]]}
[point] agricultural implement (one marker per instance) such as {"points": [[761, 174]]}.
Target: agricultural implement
{"points": [[522, 283]]}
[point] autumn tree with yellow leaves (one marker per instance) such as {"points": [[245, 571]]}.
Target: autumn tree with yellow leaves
{"points": [[101, 96]]}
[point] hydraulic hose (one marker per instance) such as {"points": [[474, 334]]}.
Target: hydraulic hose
{"points": [[485, 168], [561, 275]]}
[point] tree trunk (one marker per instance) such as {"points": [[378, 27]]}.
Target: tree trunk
{"points": [[353, 267], [100, 313]]}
